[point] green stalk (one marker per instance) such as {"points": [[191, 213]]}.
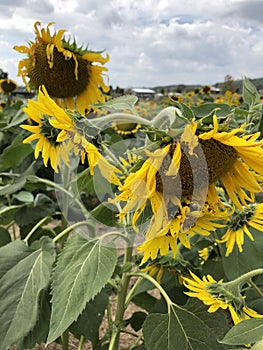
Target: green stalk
{"points": [[65, 339], [121, 297], [100, 122], [30, 233], [65, 204], [156, 284], [81, 341], [67, 230], [132, 290], [258, 290], [63, 190], [241, 280]]}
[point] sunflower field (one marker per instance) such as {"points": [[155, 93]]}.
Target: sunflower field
{"points": [[127, 218]]}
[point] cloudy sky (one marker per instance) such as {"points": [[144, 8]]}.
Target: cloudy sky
{"points": [[150, 42]]}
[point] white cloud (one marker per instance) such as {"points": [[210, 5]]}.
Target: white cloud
{"points": [[152, 42]]}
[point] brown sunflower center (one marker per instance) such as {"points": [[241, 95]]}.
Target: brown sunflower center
{"points": [[60, 80], [219, 159], [8, 86]]}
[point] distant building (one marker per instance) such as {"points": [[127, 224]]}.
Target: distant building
{"points": [[22, 92], [215, 90], [143, 94]]}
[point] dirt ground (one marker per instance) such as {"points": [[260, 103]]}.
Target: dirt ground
{"points": [[126, 340]]}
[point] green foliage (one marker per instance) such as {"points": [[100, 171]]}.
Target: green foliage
{"points": [[250, 93], [25, 272], [119, 103], [81, 260], [14, 154], [175, 330], [245, 332], [88, 323], [57, 276]]}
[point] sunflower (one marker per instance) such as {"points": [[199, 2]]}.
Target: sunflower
{"points": [[140, 186], [125, 129], [180, 181], [67, 71], [58, 135], [234, 160], [173, 173], [40, 112], [205, 290], [240, 224], [166, 229], [2, 105], [166, 264], [7, 86], [204, 254]]}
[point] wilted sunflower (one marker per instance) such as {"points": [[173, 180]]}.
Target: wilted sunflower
{"points": [[234, 160], [167, 229], [176, 172], [58, 136], [183, 174], [7, 86], [205, 289], [69, 73], [240, 224]]}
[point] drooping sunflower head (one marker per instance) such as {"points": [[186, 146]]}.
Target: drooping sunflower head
{"points": [[241, 223], [67, 71], [7, 86], [219, 295], [235, 159]]}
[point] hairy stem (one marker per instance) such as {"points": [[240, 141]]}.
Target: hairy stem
{"points": [[121, 297]]}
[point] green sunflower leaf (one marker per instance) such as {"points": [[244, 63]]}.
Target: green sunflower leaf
{"points": [[250, 93], [105, 213], [88, 323], [179, 329], [24, 274], [245, 332], [207, 110], [83, 269], [186, 110], [119, 103], [39, 333], [14, 154], [5, 237]]}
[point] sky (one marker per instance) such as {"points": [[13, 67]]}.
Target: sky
{"points": [[150, 43]]}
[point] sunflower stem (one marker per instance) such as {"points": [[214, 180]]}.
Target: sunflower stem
{"points": [[260, 128], [241, 280], [31, 232], [132, 290], [68, 229], [132, 118], [65, 340], [121, 298], [63, 190], [156, 284], [65, 203], [259, 291], [114, 158], [81, 341]]}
